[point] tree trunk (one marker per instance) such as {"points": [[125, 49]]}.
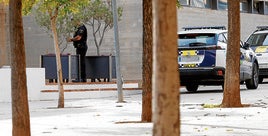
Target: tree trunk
{"points": [[231, 94], [166, 121], [98, 50], [147, 61], [2, 35], [20, 108], [58, 59]]}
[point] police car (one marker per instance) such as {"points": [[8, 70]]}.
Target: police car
{"points": [[202, 58], [258, 42]]}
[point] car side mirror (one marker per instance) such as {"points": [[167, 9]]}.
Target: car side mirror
{"points": [[246, 45]]}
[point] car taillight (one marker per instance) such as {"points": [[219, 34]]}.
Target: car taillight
{"points": [[214, 47], [220, 72]]}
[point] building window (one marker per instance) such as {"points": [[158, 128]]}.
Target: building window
{"points": [[201, 3], [222, 4], [256, 7], [197, 3], [185, 2], [266, 8], [244, 6], [208, 3]]}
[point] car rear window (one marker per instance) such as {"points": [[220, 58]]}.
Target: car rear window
{"points": [[258, 40], [199, 39]]}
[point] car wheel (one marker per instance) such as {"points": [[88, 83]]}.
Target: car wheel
{"points": [[192, 88], [254, 81], [260, 80]]}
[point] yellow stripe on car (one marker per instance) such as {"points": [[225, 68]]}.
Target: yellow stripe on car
{"points": [[261, 49], [189, 53]]}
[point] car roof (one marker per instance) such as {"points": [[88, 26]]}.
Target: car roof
{"points": [[215, 31], [261, 32], [203, 29]]}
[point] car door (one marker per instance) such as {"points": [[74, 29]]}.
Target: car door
{"points": [[221, 53], [246, 59]]}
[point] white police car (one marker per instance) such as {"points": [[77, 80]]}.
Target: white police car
{"points": [[202, 58], [258, 42]]}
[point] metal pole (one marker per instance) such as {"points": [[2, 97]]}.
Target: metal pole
{"points": [[79, 68], [117, 53], [70, 68], [110, 68]]}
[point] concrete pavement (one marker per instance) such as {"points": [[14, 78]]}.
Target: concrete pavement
{"points": [[98, 115]]}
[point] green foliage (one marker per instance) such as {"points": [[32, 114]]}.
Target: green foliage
{"points": [[100, 11], [26, 5], [64, 7], [178, 4], [62, 11], [95, 13], [63, 25]]}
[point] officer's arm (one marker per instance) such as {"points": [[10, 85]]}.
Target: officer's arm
{"points": [[76, 38]]}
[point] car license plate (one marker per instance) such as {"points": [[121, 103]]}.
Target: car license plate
{"points": [[189, 58], [189, 65]]}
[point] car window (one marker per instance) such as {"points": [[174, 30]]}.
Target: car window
{"points": [[258, 40], [225, 35], [200, 39], [265, 42], [222, 38]]}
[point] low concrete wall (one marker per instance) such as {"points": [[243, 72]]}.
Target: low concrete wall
{"points": [[35, 83]]}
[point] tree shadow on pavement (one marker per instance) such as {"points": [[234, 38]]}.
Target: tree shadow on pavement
{"points": [[203, 91]]}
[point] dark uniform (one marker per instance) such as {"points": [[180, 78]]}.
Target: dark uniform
{"points": [[81, 48]]}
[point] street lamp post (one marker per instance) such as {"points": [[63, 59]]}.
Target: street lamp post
{"points": [[117, 53]]}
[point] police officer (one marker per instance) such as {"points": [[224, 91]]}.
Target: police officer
{"points": [[80, 43]]}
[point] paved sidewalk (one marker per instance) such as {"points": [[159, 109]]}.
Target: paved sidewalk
{"points": [[99, 116], [199, 121], [246, 121]]}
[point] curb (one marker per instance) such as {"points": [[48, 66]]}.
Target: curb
{"points": [[88, 90], [90, 85]]}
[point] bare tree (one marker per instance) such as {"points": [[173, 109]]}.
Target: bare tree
{"points": [[231, 94], [147, 61], [20, 108], [165, 79]]}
